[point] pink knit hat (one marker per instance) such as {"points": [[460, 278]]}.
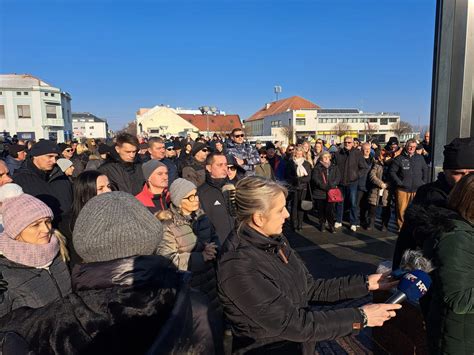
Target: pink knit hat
{"points": [[19, 212]]}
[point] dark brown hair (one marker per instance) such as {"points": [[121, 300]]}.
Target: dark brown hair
{"points": [[126, 138], [461, 198]]}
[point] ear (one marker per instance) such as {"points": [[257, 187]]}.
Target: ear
{"points": [[258, 219], [117, 148], [208, 168]]}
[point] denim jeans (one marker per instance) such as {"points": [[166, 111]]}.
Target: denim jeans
{"points": [[350, 190]]}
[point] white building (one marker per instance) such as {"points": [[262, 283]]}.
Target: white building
{"points": [[87, 125], [33, 109], [295, 116]]}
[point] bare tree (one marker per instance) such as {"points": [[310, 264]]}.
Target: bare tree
{"points": [[130, 127], [370, 130], [288, 132], [401, 128], [341, 129]]}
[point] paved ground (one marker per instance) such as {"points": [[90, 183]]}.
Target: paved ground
{"points": [[345, 252]]}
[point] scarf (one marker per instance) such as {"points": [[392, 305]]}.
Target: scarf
{"points": [[326, 165], [27, 254], [300, 170]]}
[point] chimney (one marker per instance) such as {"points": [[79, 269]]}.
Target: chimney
{"points": [[267, 106]]}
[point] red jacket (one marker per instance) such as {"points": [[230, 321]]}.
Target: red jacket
{"points": [[153, 202]]}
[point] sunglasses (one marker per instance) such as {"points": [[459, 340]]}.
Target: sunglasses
{"points": [[239, 136], [290, 150], [263, 156], [169, 149], [205, 150], [231, 168], [192, 198], [348, 142], [68, 150]]}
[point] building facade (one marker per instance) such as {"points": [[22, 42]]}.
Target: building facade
{"points": [[287, 119], [32, 109], [87, 125], [163, 120]]}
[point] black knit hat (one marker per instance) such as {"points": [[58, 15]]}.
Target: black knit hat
{"points": [[62, 147], [269, 145], [459, 154], [14, 149], [44, 147], [392, 140], [104, 149], [198, 146]]}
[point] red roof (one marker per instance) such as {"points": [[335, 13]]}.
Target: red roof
{"points": [[217, 123], [283, 105]]}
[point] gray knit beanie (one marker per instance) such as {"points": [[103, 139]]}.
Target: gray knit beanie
{"points": [[150, 166], [115, 225], [180, 188]]}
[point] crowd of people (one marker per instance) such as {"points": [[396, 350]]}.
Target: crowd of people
{"points": [[159, 245]]}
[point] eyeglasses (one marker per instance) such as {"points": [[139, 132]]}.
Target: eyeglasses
{"points": [[263, 156], [239, 136], [191, 198], [231, 168], [68, 150]]}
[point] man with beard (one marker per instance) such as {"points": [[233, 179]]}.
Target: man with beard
{"points": [[212, 199], [123, 167]]}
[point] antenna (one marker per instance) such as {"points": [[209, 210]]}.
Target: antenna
{"points": [[277, 90]]}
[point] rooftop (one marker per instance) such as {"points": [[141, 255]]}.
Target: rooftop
{"points": [[217, 123], [22, 81], [87, 115], [283, 105]]}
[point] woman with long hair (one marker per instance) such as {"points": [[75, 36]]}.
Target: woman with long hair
{"points": [[299, 178], [265, 288], [33, 256], [88, 184]]}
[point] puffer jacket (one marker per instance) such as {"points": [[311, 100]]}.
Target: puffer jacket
{"points": [[266, 300], [127, 177], [133, 305], [32, 287], [450, 315], [378, 176], [183, 241], [195, 172], [409, 173]]}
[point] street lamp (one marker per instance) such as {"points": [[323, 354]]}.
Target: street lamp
{"points": [[206, 110]]}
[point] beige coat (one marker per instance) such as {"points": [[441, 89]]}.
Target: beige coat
{"points": [[375, 177]]}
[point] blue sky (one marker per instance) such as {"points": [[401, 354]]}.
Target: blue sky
{"points": [[117, 56]]}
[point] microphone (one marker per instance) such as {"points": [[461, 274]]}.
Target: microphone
{"points": [[413, 285], [412, 260], [228, 190]]}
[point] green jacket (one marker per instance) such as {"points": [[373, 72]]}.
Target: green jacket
{"points": [[450, 322]]}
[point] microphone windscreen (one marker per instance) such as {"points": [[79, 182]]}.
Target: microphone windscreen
{"points": [[415, 284], [414, 260]]}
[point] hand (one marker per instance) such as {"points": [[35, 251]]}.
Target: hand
{"points": [[381, 282], [377, 314], [239, 161], [384, 186], [209, 252]]}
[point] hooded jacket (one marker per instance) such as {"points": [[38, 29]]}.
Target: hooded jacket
{"points": [[123, 306], [267, 301], [53, 188], [127, 177]]}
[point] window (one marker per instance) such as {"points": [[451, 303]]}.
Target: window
{"points": [[23, 111], [25, 93], [1, 93], [51, 111], [392, 120], [2, 112], [301, 121], [384, 121], [46, 94], [18, 93], [91, 127], [373, 119], [52, 94]]}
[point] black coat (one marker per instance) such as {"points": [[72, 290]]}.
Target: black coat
{"points": [[298, 183], [409, 173], [214, 204], [127, 177], [351, 164], [54, 189], [32, 287], [123, 306], [333, 178], [267, 301]]}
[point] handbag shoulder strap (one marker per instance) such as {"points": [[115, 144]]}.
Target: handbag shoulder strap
{"points": [[324, 176]]}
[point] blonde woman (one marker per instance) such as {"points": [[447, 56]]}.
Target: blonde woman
{"points": [[33, 256], [265, 288], [307, 153], [80, 159]]}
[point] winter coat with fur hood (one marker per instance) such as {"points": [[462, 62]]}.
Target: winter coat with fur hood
{"points": [[123, 306]]}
